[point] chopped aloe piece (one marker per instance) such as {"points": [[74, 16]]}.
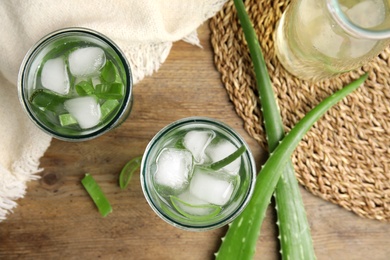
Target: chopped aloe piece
{"points": [[108, 107], [62, 47], [128, 170], [229, 159], [110, 91], [84, 88], [97, 195], [46, 100], [208, 210], [67, 120], [108, 73]]}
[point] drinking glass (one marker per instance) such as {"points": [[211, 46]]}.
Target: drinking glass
{"points": [[75, 84], [178, 183]]}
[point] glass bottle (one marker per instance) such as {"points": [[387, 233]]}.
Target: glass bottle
{"points": [[315, 40]]}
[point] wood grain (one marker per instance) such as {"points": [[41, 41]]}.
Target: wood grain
{"points": [[57, 219]]}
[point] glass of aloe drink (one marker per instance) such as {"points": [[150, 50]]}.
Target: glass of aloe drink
{"points": [[197, 174], [75, 84]]}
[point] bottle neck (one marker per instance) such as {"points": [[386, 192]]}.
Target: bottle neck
{"points": [[378, 31]]}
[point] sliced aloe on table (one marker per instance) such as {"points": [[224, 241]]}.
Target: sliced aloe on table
{"points": [[97, 195], [128, 170]]}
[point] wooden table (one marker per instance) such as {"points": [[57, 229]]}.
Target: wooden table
{"points": [[57, 218]]}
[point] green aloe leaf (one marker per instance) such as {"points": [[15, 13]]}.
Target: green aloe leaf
{"points": [[241, 238], [97, 195]]}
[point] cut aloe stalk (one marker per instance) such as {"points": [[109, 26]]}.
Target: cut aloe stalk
{"points": [[108, 73], [46, 100], [62, 47], [85, 88], [206, 211], [110, 91], [128, 170], [229, 159], [108, 107], [97, 195], [67, 120]]}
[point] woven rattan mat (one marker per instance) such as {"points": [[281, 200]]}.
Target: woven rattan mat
{"points": [[345, 157]]}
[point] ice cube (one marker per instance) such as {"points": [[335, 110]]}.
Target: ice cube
{"points": [[55, 76], [221, 150], [86, 61], [85, 110], [196, 141], [211, 187], [174, 167]]}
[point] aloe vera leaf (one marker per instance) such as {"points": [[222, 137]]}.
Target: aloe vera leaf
{"points": [[110, 91], [294, 230], [108, 107], [127, 172], [67, 120], [273, 141], [47, 100], [110, 74], [97, 195], [227, 160], [62, 47], [84, 88], [240, 240]]}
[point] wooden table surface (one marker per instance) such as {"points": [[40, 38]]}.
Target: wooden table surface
{"points": [[57, 218]]}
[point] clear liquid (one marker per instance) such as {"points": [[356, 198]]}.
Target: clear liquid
{"points": [[185, 203], [62, 48], [311, 45]]}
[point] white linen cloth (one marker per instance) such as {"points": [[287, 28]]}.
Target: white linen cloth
{"points": [[143, 29]]}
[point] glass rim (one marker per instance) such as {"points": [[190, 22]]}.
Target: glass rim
{"points": [[187, 226], [28, 58], [350, 27]]}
